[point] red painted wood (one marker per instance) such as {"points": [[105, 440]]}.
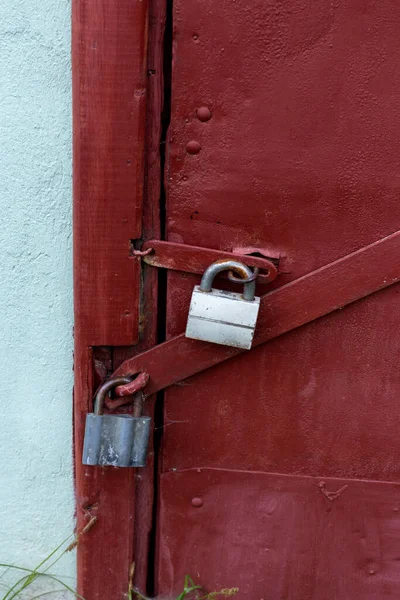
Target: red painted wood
{"points": [[109, 47], [144, 496], [193, 259], [276, 536], [314, 295], [109, 98]]}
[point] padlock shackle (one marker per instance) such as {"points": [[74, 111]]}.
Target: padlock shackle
{"points": [[104, 390], [229, 265]]}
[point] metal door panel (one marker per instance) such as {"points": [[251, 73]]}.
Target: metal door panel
{"points": [[275, 536], [322, 399], [300, 155], [299, 160]]}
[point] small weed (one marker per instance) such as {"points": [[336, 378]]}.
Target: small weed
{"points": [[190, 588], [30, 576], [191, 591]]}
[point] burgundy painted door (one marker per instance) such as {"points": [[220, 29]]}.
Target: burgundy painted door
{"points": [[276, 471], [279, 470]]}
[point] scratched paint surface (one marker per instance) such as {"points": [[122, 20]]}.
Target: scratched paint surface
{"points": [[297, 157], [276, 537]]}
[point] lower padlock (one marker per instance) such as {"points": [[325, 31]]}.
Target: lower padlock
{"points": [[116, 440]]}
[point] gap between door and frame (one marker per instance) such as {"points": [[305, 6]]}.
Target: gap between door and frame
{"points": [[162, 291]]}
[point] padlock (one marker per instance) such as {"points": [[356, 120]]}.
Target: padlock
{"points": [[116, 440], [221, 317]]}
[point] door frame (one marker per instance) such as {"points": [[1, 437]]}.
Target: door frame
{"points": [[117, 62]]}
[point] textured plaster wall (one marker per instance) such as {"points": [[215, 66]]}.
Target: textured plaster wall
{"points": [[36, 489]]}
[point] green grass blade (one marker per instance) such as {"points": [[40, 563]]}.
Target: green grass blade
{"points": [[53, 553], [20, 585], [43, 574], [44, 561], [47, 594], [26, 581]]}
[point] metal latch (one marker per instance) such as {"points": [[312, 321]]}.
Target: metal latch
{"points": [[195, 259]]}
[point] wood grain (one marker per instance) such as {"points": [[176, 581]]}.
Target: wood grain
{"points": [[109, 103]]}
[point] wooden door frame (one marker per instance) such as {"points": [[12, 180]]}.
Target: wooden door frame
{"points": [[117, 58]]}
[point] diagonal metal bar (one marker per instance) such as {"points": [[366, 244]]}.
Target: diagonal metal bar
{"points": [[314, 295]]}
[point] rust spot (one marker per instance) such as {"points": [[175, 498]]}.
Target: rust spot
{"points": [[241, 272]]}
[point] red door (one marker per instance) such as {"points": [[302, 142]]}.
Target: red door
{"points": [[276, 471]]}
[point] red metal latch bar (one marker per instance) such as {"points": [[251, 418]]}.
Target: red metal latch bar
{"points": [[195, 259], [318, 293]]}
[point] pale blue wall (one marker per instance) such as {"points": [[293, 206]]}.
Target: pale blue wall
{"points": [[36, 489]]}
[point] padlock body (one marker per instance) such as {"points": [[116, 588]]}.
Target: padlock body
{"points": [[116, 440], [222, 317]]}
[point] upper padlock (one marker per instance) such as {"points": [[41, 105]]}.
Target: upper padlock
{"points": [[116, 440], [222, 317]]}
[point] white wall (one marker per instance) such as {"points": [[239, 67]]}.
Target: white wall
{"points": [[36, 488]]}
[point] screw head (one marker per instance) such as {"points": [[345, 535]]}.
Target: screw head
{"points": [[203, 114], [197, 502], [193, 147]]}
